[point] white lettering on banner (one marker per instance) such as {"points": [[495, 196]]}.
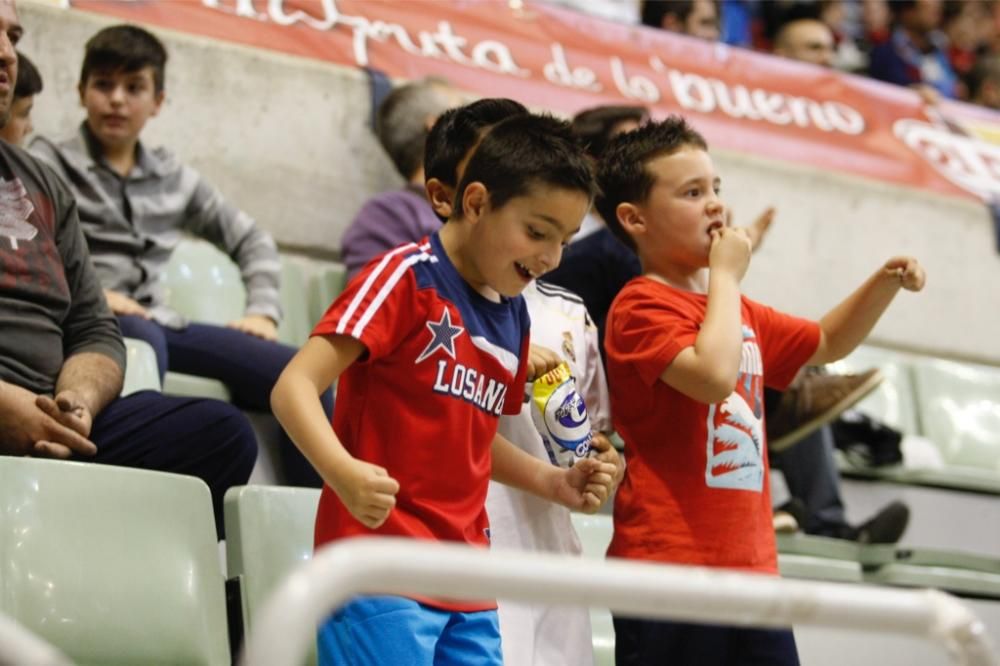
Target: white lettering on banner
{"points": [[558, 72], [488, 54], [971, 164], [704, 95], [693, 92], [634, 87]]}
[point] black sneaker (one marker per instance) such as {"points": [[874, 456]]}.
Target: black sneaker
{"points": [[886, 526]]}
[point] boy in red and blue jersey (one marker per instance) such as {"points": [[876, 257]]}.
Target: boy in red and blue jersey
{"points": [[430, 345]]}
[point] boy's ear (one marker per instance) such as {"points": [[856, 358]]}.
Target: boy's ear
{"points": [[441, 197], [631, 219], [158, 98], [475, 201]]}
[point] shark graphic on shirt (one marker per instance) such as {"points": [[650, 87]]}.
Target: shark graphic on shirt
{"points": [[736, 427]]}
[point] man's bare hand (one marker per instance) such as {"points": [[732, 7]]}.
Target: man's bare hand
{"points": [[68, 409], [121, 304], [258, 326], [27, 429]]}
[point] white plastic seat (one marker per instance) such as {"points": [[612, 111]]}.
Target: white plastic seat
{"points": [[112, 565]]}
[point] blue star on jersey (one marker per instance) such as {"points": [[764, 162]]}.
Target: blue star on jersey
{"points": [[443, 335]]}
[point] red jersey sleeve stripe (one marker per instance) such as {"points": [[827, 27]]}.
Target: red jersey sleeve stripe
{"points": [[369, 283]]}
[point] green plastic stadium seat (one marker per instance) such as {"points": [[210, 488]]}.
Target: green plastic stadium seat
{"points": [[595, 534], [960, 411], [112, 565], [177, 383], [203, 284], [141, 373], [269, 530], [820, 558], [328, 282], [893, 402], [963, 582], [297, 319]]}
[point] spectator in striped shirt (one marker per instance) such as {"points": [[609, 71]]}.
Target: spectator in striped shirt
{"points": [[137, 203]]}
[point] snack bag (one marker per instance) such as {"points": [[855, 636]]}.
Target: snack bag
{"points": [[560, 416]]}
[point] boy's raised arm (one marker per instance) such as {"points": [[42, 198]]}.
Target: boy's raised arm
{"points": [[844, 327], [366, 490], [583, 487], [708, 370]]}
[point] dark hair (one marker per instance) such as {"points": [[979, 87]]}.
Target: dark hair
{"points": [[458, 130], [986, 69], [653, 11], [29, 81], [401, 121], [127, 48], [523, 152], [593, 127], [622, 174]]}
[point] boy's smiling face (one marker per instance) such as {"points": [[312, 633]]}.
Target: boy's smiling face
{"points": [[674, 224], [119, 103], [522, 240]]}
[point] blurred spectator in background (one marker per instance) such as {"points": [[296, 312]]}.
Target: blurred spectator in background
{"points": [[969, 27], [697, 18], [984, 82], [390, 218], [807, 40], [917, 50], [29, 84]]}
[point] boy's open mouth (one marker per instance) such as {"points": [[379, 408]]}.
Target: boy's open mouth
{"points": [[523, 271], [715, 226]]}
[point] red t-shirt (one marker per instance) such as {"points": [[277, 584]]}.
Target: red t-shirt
{"points": [[696, 487], [425, 400]]}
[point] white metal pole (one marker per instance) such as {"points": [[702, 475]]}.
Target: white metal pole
{"points": [[288, 619]]}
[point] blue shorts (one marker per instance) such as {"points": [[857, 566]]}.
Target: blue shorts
{"points": [[377, 631]]}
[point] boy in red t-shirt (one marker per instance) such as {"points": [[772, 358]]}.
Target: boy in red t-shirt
{"points": [[688, 357], [430, 345]]}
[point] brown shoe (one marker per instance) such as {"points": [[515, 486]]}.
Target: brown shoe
{"points": [[812, 401]]}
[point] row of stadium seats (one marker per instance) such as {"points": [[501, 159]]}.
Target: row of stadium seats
{"points": [[146, 585], [951, 412]]}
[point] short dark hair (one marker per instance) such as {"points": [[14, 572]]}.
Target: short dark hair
{"points": [[401, 121], [457, 131], [127, 48], [622, 174], [29, 81], [523, 152], [594, 126], [653, 11]]}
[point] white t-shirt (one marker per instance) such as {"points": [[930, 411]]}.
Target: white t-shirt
{"points": [[535, 634]]}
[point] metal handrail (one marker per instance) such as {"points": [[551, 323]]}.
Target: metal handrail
{"points": [[18, 647], [286, 624]]}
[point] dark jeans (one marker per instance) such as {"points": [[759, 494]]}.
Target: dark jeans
{"points": [[665, 643], [209, 439], [247, 365], [811, 475]]}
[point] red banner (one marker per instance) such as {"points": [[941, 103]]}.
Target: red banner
{"points": [[550, 57]]}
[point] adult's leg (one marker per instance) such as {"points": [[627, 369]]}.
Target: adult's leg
{"points": [[811, 475], [209, 439], [250, 367], [149, 331]]}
